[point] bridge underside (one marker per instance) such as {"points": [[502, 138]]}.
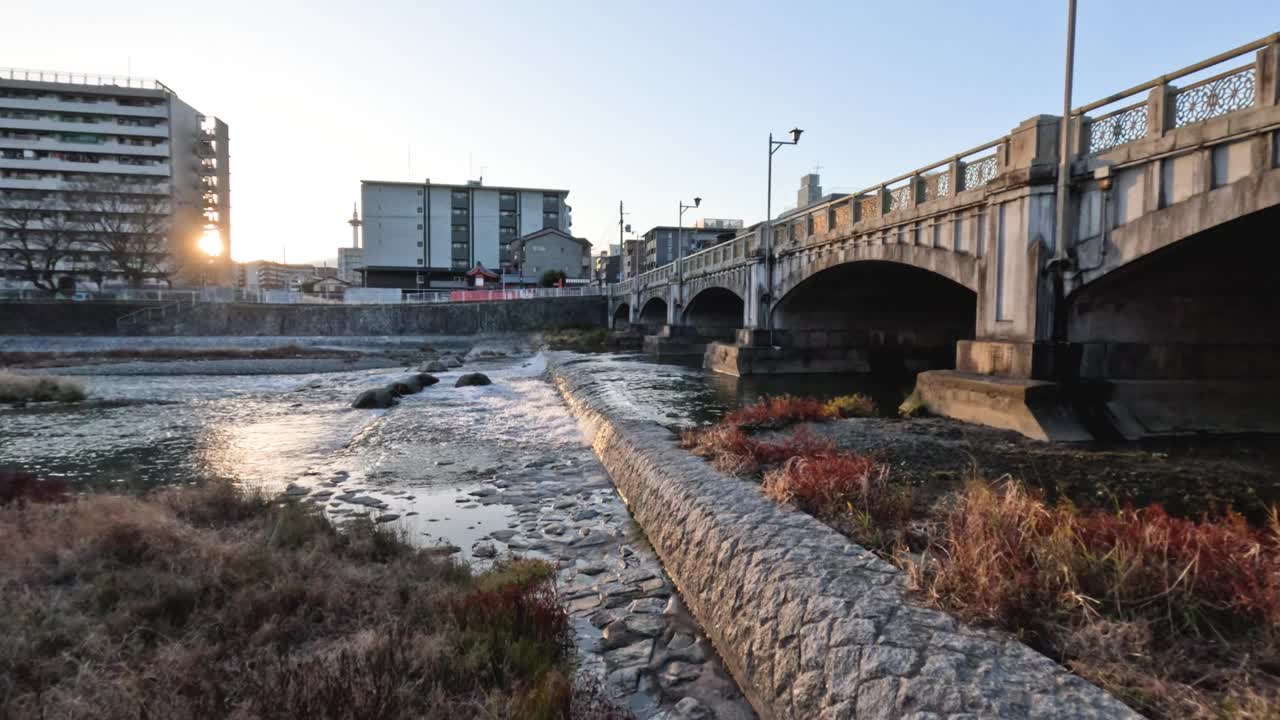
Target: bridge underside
{"points": [[1187, 337], [871, 316]]}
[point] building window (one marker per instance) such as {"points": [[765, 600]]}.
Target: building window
{"points": [[457, 212], [419, 210], [419, 261], [459, 228], [419, 226], [419, 243]]}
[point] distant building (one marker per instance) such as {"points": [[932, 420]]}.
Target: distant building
{"points": [[267, 275], [429, 234], [717, 224], [329, 286], [660, 245], [134, 144], [350, 264], [555, 249], [632, 257]]}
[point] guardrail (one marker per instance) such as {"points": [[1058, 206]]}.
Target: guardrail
{"points": [[1168, 107]]}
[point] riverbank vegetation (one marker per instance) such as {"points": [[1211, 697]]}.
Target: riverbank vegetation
{"points": [[209, 602], [1177, 616], [41, 359], [15, 388]]}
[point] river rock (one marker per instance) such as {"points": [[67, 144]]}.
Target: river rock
{"points": [[645, 625], [379, 398], [400, 388], [554, 529], [502, 535], [426, 380], [692, 708], [484, 549], [677, 672], [295, 490], [585, 514], [389, 517], [435, 366], [452, 361], [473, 379]]}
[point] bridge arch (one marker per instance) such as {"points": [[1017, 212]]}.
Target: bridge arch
{"points": [[1203, 307], [961, 268], [715, 312], [653, 315], [621, 319], [904, 317]]}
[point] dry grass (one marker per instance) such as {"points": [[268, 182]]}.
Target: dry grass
{"points": [[1178, 617], [772, 413], [850, 406], [732, 451], [16, 388], [851, 491], [913, 406], [206, 602]]}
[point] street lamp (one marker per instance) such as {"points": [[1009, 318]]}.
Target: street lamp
{"points": [[680, 239], [774, 146]]}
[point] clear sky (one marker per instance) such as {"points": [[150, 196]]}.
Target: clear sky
{"points": [[647, 102]]}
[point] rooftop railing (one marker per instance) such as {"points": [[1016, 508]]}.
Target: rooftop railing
{"points": [[72, 78]]}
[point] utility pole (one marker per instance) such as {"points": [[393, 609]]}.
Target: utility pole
{"points": [[1064, 172]]}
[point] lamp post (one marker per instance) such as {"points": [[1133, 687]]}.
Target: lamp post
{"points": [[680, 237], [774, 146]]}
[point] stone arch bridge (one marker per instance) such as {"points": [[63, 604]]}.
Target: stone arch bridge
{"points": [[1158, 313]]}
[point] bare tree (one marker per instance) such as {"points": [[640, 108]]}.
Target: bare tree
{"points": [[128, 227], [37, 235]]}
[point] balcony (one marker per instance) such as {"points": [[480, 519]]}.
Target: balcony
{"points": [[51, 165], [105, 127], [107, 148], [103, 107]]}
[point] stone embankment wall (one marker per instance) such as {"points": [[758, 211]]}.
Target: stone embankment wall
{"points": [[62, 318], [243, 319], [811, 625]]}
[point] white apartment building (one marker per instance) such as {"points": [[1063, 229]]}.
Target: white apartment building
{"points": [[430, 234], [142, 150]]}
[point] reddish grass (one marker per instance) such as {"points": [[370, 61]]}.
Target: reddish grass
{"points": [[21, 488], [732, 451], [1179, 617], [771, 413], [851, 491]]}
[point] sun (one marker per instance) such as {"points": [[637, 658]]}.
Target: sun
{"points": [[211, 242]]}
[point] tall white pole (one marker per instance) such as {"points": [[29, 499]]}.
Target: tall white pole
{"points": [[1064, 146]]}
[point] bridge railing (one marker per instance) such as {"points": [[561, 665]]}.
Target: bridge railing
{"points": [[886, 204], [1223, 86]]}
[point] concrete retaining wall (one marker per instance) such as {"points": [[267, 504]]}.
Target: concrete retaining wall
{"points": [[62, 318], [811, 625], [241, 319]]}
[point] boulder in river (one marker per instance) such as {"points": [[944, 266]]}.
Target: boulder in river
{"points": [[434, 366], [426, 380], [473, 379], [376, 398], [400, 388], [453, 361]]}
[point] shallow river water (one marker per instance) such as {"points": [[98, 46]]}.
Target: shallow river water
{"points": [[480, 471]]}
